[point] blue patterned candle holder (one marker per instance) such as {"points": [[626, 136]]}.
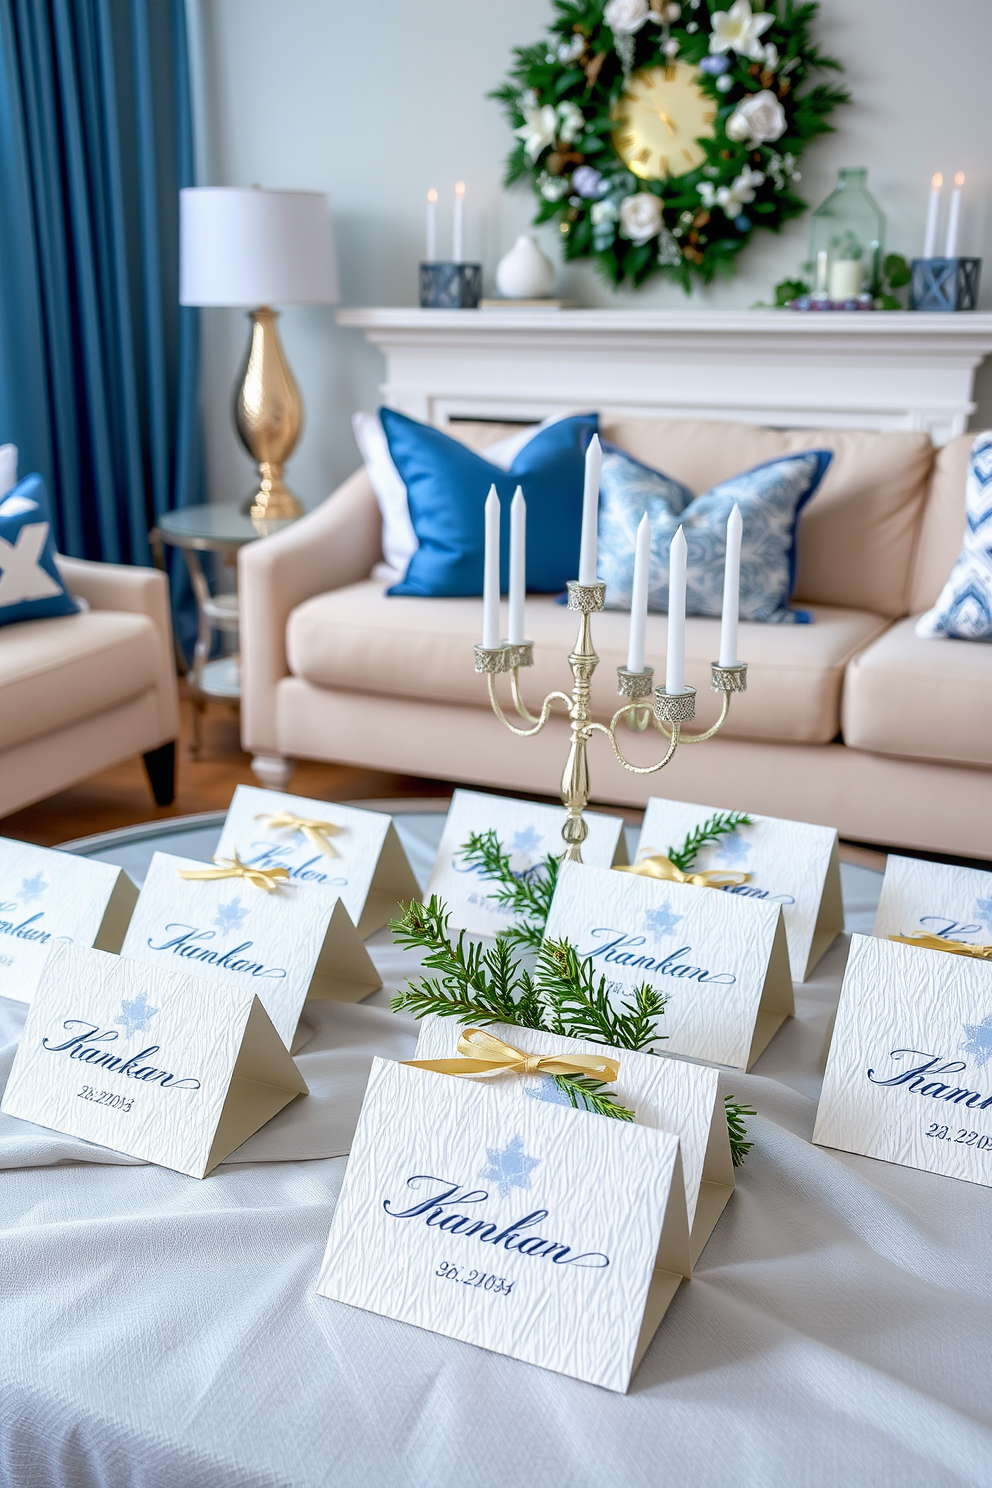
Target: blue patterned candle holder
{"points": [[944, 283], [450, 286]]}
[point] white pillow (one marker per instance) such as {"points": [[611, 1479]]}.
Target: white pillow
{"points": [[8, 467]]}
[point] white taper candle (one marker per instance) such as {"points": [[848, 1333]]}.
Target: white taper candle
{"points": [[933, 211], [731, 590], [675, 666], [518, 567], [954, 218], [590, 512], [490, 574], [458, 228], [639, 596], [431, 226]]}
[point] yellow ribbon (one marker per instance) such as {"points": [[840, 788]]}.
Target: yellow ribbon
{"points": [[936, 943], [262, 878], [316, 832], [482, 1053], [658, 866]]}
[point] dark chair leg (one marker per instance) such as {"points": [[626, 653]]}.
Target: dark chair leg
{"points": [[160, 767]]}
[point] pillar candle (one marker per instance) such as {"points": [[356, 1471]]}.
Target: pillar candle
{"points": [[432, 226], [731, 590], [639, 597], [518, 567], [954, 218], [490, 574], [458, 231], [675, 667], [590, 512], [933, 209]]}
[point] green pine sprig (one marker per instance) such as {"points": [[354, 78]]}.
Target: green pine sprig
{"points": [[737, 1130], [720, 824], [579, 1006], [528, 897], [589, 1094]]}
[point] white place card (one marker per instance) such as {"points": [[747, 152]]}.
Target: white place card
{"points": [[294, 943], [794, 864], [721, 961], [528, 832], [667, 1094], [155, 1063], [367, 867], [552, 1235], [909, 1073], [921, 898], [47, 896]]}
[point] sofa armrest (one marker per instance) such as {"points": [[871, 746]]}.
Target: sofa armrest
{"points": [[336, 544]]}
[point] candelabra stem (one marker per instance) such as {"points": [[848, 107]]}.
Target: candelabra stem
{"points": [[575, 778]]}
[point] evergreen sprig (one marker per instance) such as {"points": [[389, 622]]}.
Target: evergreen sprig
{"points": [[528, 896], [737, 1130], [720, 824], [579, 1006]]}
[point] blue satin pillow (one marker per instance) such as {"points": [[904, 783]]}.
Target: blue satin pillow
{"points": [[447, 485], [30, 586]]}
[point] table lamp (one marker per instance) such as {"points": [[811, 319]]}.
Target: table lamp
{"points": [[260, 248]]}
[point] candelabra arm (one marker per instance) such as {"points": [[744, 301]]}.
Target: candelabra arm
{"points": [[518, 701], [698, 738], [538, 722], [611, 734]]}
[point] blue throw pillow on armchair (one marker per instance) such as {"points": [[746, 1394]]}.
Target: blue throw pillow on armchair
{"points": [[447, 485], [30, 587]]}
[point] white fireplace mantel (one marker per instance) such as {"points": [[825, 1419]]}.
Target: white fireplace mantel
{"points": [[890, 370]]}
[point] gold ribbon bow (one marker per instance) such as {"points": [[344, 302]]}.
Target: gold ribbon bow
{"points": [[262, 878], [936, 943], [658, 866], [316, 832], [482, 1053]]}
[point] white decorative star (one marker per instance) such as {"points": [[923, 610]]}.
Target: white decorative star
{"points": [[509, 1167], [21, 574], [661, 921], [978, 1041], [230, 916], [32, 888], [135, 1014]]}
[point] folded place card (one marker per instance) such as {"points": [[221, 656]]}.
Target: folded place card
{"points": [[722, 962], [47, 896], [354, 853], [285, 945], [667, 1094], [935, 899], [794, 864], [909, 1073], [527, 832], [553, 1235], [158, 1064]]}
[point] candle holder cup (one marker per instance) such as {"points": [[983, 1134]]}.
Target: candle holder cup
{"points": [[450, 286], [944, 284]]}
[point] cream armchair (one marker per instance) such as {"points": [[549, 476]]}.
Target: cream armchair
{"points": [[81, 692]]}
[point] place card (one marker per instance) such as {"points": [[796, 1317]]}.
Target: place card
{"points": [[909, 1072], [666, 1094], [552, 1235], [794, 864], [288, 945], [921, 898], [47, 896], [528, 832], [721, 961], [155, 1063], [356, 854]]}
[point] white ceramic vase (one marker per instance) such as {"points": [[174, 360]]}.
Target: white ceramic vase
{"points": [[525, 273]]}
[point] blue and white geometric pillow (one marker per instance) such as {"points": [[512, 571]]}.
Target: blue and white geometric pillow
{"points": [[964, 608], [30, 587], [770, 498]]}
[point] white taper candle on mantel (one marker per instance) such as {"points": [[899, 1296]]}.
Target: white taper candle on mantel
{"points": [[590, 512], [675, 665], [490, 574], [639, 596], [431, 226], [731, 590], [518, 568], [933, 211], [954, 218], [458, 230]]}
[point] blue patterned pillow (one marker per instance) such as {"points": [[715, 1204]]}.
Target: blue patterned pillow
{"points": [[30, 587], [770, 498], [964, 608]]}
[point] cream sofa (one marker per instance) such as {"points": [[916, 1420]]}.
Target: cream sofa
{"points": [[851, 721], [81, 692]]}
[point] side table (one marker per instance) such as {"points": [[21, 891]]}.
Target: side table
{"points": [[220, 528]]}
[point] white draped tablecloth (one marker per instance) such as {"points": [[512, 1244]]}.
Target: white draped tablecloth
{"points": [[161, 1332]]}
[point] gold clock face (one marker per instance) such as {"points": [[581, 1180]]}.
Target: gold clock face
{"points": [[658, 120]]}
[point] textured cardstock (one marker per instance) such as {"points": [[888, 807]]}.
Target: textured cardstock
{"points": [[554, 1236], [157, 1064], [794, 864], [722, 962], [909, 1073], [935, 898], [666, 1094], [528, 832], [47, 896], [369, 872], [295, 943]]}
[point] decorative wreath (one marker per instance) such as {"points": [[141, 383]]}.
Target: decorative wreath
{"points": [[661, 135]]}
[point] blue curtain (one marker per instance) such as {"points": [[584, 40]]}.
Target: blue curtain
{"points": [[98, 363]]}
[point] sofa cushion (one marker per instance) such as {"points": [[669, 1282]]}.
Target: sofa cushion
{"points": [[359, 639], [921, 699], [57, 671]]}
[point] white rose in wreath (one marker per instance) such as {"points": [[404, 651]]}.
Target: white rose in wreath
{"points": [[758, 118], [624, 17], [640, 217]]}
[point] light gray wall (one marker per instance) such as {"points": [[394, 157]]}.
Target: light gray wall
{"points": [[374, 101]]}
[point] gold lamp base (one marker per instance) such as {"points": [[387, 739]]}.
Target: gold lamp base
{"points": [[268, 412]]}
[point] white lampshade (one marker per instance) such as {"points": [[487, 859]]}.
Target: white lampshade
{"points": [[254, 247]]}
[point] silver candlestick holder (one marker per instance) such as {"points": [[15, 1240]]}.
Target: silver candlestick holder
{"points": [[667, 710]]}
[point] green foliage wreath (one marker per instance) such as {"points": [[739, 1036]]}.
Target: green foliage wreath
{"points": [[562, 96]]}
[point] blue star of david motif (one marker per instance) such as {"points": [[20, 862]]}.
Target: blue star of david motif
{"points": [[661, 921], [548, 1091], [527, 841], [978, 1041], [509, 1167], [230, 916], [733, 850], [135, 1015], [983, 908], [32, 888]]}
